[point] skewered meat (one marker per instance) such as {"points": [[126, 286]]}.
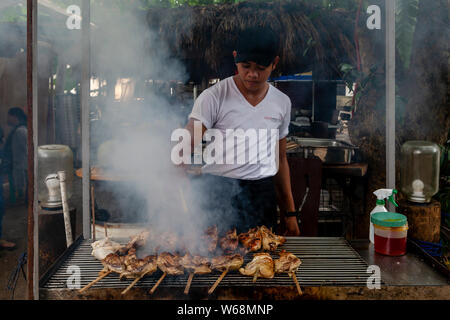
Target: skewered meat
{"points": [[113, 262], [251, 239], [210, 238], [228, 262], [101, 248], [288, 263], [135, 267], [230, 241], [166, 241], [196, 264], [138, 240], [270, 241], [170, 264], [262, 265]]}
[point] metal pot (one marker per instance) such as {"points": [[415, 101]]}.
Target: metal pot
{"points": [[328, 150]]}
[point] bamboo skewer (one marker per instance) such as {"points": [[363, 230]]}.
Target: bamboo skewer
{"points": [[157, 283], [100, 277], [134, 283], [218, 281], [297, 284], [188, 285], [256, 274]]}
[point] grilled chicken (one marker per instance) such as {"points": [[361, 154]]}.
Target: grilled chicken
{"points": [[270, 241], [113, 262], [230, 241], [288, 263], [137, 241], [137, 267], [251, 239], [170, 264], [262, 265], [210, 238], [196, 264], [101, 248], [228, 262], [166, 241]]}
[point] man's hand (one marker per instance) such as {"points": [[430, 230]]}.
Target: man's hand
{"points": [[291, 227]]}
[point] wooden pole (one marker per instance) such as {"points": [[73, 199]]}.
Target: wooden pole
{"points": [[93, 211], [66, 212], [85, 110], [33, 262]]}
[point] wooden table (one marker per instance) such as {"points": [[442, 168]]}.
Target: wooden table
{"points": [[98, 174]]}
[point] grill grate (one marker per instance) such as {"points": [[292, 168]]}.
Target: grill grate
{"points": [[325, 261]]}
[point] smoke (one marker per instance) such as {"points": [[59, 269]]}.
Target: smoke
{"points": [[133, 135]]}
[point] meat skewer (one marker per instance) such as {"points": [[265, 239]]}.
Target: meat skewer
{"points": [[225, 264], [288, 263], [188, 284], [224, 273], [111, 263], [157, 283], [139, 268], [138, 240], [169, 264], [211, 237], [251, 239], [230, 241], [101, 248], [261, 265], [195, 265], [270, 241], [100, 277]]}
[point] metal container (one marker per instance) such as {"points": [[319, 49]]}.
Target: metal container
{"points": [[51, 159], [328, 150], [419, 170]]}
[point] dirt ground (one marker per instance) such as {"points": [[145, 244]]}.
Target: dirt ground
{"points": [[15, 230]]}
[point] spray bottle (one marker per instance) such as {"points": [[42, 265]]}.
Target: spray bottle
{"points": [[380, 207]]}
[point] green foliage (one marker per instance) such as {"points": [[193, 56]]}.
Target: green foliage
{"points": [[14, 14], [443, 196], [351, 75], [405, 24]]}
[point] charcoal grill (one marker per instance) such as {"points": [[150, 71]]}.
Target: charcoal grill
{"points": [[325, 262]]}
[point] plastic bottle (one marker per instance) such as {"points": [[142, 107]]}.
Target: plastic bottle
{"points": [[381, 194]]}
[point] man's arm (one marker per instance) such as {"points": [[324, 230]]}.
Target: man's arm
{"points": [[284, 192], [190, 128]]}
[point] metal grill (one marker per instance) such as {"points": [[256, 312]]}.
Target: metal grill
{"points": [[325, 261]]}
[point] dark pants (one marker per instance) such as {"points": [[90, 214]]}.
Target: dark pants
{"points": [[243, 204]]}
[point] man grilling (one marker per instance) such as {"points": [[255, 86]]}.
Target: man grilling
{"points": [[246, 101]]}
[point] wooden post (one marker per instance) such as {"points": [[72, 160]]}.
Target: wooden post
{"points": [[32, 91], [424, 220]]}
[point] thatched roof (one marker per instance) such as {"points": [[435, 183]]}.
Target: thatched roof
{"points": [[311, 38]]}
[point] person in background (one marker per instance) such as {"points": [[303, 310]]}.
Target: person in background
{"points": [[16, 154], [3, 243]]}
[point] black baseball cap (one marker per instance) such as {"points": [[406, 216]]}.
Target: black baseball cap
{"points": [[257, 44]]}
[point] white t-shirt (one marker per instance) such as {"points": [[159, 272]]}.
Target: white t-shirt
{"points": [[224, 108]]}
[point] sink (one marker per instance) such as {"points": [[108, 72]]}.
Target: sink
{"points": [[328, 150]]}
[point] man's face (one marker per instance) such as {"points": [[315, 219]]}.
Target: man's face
{"points": [[253, 75]]}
